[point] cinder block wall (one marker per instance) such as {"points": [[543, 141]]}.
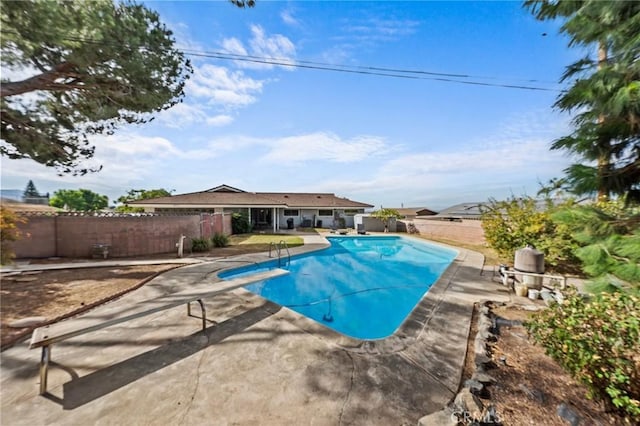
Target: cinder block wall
{"points": [[37, 237], [127, 236], [74, 236], [373, 224], [466, 231]]}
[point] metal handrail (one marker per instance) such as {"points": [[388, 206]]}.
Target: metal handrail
{"points": [[280, 245]]}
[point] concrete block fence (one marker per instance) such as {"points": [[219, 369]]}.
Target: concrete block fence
{"points": [[74, 234], [464, 230]]}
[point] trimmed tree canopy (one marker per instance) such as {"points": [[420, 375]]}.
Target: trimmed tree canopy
{"points": [[78, 199], [88, 67], [139, 194]]}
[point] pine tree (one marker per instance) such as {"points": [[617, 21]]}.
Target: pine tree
{"points": [[604, 92], [30, 191]]}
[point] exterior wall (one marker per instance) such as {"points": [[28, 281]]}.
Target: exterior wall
{"points": [[313, 216], [372, 224], [38, 237], [74, 236], [465, 231]]}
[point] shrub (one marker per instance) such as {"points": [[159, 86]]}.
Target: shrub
{"points": [[608, 234], [200, 244], [219, 240], [8, 232], [240, 223], [518, 222], [598, 342]]}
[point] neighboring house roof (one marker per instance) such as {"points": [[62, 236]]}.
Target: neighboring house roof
{"points": [[24, 207], [414, 211], [226, 196], [460, 211]]}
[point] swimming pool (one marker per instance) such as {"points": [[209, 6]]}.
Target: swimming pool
{"points": [[362, 287]]}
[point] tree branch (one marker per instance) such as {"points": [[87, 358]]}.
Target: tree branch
{"points": [[44, 81]]}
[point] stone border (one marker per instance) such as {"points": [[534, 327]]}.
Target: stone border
{"points": [[467, 408]]}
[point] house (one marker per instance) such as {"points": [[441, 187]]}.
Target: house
{"points": [[412, 212], [460, 211], [265, 210]]}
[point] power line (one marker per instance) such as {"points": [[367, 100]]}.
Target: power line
{"points": [[351, 69], [371, 68], [376, 71]]}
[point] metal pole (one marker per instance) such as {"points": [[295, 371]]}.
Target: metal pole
{"points": [[44, 368]]}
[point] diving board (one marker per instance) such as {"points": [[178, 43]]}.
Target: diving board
{"points": [[44, 337]]}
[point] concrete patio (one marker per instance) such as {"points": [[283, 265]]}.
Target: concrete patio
{"points": [[257, 363]]}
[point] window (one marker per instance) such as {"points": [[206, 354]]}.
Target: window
{"points": [[351, 212], [325, 212], [291, 213]]}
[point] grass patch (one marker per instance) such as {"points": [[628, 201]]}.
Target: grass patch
{"points": [[265, 239]]}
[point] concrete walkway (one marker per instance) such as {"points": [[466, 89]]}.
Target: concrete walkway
{"points": [[257, 363]]}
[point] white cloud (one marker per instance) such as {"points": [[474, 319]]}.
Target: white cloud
{"points": [[219, 120], [288, 18], [223, 88], [514, 161], [235, 46], [184, 115], [295, 150], [382, 29], [181, 115], [276, 46], [262, 45], [128, 160]]}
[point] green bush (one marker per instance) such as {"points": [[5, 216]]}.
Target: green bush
{"points": [[608, 234], [518, 222], [8, 232], [200, 244], [598, 342], [219, 240], [240, 223]]}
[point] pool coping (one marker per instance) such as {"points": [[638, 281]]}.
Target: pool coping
{"points": [[407, 333]]}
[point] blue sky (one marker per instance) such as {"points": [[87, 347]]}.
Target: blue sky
{"points": [[376, 139]]}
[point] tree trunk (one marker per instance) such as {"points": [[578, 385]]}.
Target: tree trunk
{"points": [[603, 159]]}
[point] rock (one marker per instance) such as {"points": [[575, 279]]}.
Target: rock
{"points": [[567, 413], [27, 322], [484, 323], [439, 418], [467, 402], [483, 377], [474, 386], [481, 359], [548, 298], [479, 346], [487, 335], [531, 308]]}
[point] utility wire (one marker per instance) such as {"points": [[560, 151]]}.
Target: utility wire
{"points": [[376, 71], [370, 68], [363, 70]]}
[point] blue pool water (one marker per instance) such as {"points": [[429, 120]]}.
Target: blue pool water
{"points": [[362, 287]]}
